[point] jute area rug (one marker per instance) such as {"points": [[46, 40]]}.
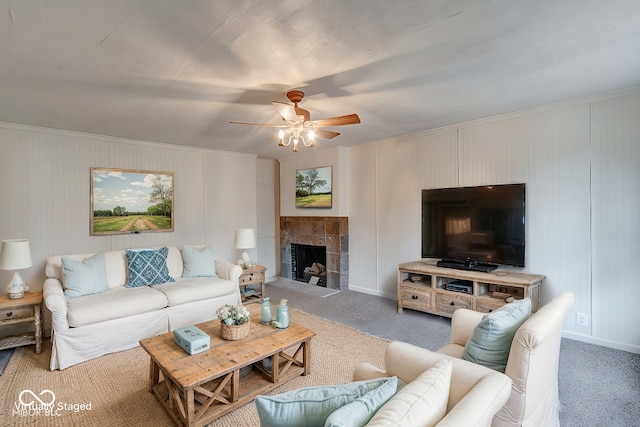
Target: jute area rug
{"points": [[112, 390]]}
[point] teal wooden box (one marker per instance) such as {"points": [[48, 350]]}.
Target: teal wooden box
{"points": [[191, 339]]}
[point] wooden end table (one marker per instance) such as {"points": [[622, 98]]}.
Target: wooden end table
{"points": [[252, 276], [27, 309], [197, 389]]}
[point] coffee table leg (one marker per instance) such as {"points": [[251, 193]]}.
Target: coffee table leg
{"points": [[154, 375], [235, 386], [189, 406], [306, 357], [275, 368]]}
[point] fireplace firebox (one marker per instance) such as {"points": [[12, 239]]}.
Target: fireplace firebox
{"points": [[308, 264]]}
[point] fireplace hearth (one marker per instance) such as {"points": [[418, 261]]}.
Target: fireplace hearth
{"points": [[332, 233]]}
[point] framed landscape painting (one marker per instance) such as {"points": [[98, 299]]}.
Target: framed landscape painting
{"points": [[313, 188], [131, 201]]}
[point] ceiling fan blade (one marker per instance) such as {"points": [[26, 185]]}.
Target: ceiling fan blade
{"points": [[325, 134], [259, 124], [287, 111], [349, 119]]}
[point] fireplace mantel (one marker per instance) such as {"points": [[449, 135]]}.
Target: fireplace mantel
{"points": [[332, 232]]}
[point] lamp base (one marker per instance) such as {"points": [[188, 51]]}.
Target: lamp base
{"points": [[17, 287], [245, 261]]}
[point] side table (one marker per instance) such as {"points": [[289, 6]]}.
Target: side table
{"points": [[252, 276], [27, 309]]}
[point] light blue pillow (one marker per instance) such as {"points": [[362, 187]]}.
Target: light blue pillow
{"points": [[490, 342], [311, 406], [147, 267], [198, 262], [360, 411], [84, 277]]}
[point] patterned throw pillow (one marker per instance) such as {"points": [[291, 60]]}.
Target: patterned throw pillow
{"points": [[147, 267]]}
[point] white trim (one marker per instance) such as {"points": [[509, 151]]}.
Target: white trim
{"points": [[601, 342]]}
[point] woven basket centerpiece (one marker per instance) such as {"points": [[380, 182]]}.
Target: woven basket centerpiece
{"points": [[234, 332]]}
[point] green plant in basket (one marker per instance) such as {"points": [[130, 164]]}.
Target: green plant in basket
{"points": [[233, 314]]}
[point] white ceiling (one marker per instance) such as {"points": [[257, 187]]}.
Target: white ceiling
{"points": [[180, 71]]}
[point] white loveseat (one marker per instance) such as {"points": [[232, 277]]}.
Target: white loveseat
{"points": [[89, 326]]}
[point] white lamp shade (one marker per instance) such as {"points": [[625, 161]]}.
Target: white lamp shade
{"points": [[15, 254], [245, 238]]}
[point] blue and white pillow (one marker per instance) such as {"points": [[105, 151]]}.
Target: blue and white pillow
{"points": [[147, 267]]}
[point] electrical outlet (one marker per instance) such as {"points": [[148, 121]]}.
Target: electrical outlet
{"points": [[582, 319]]}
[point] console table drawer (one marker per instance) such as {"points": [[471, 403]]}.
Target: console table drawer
{"points": [[448, 303], [416, 297], [487, 305]]}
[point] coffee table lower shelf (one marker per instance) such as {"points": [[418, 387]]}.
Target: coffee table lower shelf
{"points": [[216, 398]]}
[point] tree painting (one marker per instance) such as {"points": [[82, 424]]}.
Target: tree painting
{"points": [[313, 188], [125, 201]]}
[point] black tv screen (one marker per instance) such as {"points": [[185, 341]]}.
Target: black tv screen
{"points": [[480, 224]]}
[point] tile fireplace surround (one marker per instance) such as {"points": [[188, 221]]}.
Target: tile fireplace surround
{"points": [[332, 232]]}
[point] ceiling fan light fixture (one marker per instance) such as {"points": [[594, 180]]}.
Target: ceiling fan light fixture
{"points": [[298, 121]]}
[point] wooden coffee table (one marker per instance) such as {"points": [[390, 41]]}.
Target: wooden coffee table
{"points": [[196, 390]]}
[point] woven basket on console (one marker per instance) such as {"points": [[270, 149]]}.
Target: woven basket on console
{"points": [[234, 332]]}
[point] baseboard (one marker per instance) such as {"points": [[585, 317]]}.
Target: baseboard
{"points": [[371, 292], [599, 341]]}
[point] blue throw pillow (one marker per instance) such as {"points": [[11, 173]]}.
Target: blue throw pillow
{"points": [[490, 342], [360, 411], [198, 262], [84, 277], [311, 406], [147, 267]]}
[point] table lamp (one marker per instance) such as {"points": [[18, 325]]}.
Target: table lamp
{"points": [[15, 254], [245, 239]]}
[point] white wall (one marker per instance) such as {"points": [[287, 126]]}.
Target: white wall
{"points": [[45, 193], [268, 217], [581, 164], [337, 158]]}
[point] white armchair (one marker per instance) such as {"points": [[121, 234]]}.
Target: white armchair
{"points": [[532, 364]]}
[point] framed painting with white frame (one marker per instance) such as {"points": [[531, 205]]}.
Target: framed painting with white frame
{"points": [[313, 188], [131, 201]]}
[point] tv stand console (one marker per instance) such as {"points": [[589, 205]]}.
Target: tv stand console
{"points": [[425, 286]]}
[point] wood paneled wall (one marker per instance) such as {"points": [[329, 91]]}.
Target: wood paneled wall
{"points": [[581, 164], [45, 193]]}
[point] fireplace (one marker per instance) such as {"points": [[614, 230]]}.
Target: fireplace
{"points": [[308, 264], [332, 233]]}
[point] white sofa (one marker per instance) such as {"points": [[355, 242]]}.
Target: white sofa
{"points": [[90, 326], [476, 393]]}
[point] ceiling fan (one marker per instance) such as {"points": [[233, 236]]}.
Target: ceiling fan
{"points": [[297, 122]]}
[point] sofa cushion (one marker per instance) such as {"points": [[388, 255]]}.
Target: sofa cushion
{"points": [[359, 412], [183, 290], [422, 402], [490, 342], [113, 304], [147, 267], [311, 406], [84, 277], [198, 262]]}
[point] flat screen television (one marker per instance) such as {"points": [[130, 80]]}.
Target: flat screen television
{"points": [[467, 226]]}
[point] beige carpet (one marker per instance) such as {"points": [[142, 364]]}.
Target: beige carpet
{"points": [[115, 385]]}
